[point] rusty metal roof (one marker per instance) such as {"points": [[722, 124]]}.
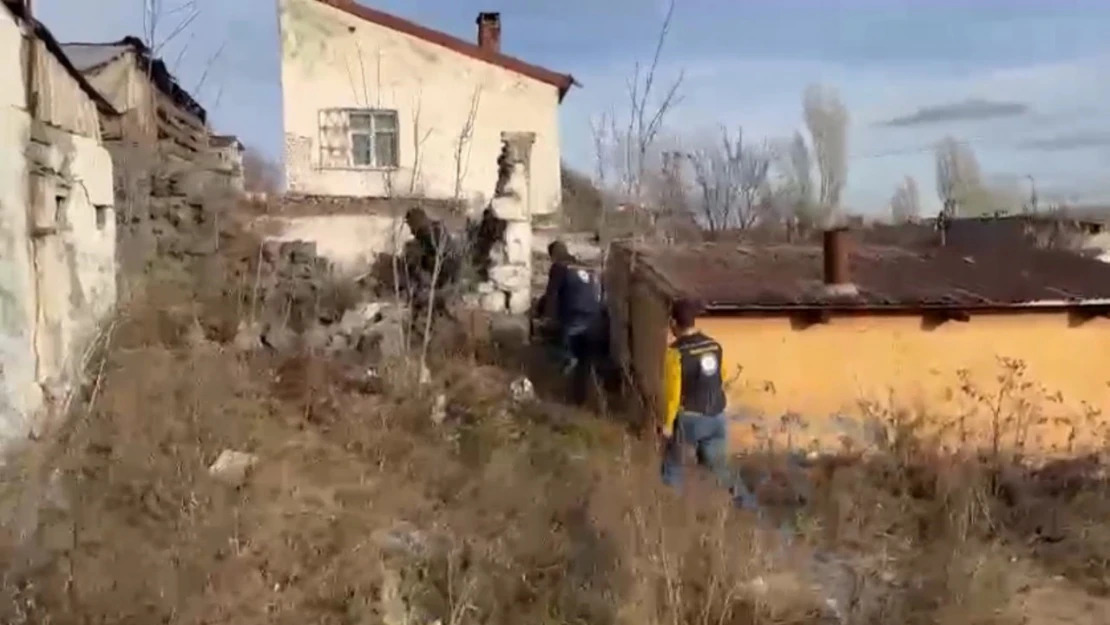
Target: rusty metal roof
{"points": [[788, 276]]}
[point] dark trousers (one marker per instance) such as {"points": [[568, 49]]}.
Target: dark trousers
{"points": [[708, 434], [577, 349]]}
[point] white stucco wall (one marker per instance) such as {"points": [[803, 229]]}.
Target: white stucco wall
{"points": [[351, 242], [57, 277], [75, 265], [333, 60]]}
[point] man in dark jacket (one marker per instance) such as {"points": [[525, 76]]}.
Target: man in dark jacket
{"points": [[572, 303], [435, 263], [484, 235]]}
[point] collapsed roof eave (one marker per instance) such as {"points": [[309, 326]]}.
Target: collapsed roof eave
{"points": [[163, 79], [43, 34]]}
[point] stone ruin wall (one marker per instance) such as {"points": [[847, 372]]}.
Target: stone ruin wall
{"points": [[508, 288]]}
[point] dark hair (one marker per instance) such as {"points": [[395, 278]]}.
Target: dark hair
{"points": [[684, 312], [557, 249], [416, 214]]}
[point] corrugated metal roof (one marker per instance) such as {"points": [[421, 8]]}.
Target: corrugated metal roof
{"points": [[785, 276], [86, 56]]}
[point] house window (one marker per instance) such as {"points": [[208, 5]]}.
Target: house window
{"points": [[362, 138]]}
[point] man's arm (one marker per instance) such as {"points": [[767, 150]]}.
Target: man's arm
{"points": [[672, 389], [551, 293], [728, 376]]}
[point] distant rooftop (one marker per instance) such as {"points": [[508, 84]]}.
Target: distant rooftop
{"points": [[223, 141], [88, 57]]}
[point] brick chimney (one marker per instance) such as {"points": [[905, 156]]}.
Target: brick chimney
{"points": [[838, 279], [489, 31]]}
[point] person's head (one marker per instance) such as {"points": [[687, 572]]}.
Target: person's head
{"points": [[684, 314], [558, 251], [416, 219]]}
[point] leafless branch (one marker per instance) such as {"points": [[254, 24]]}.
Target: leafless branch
{"points": [[959, 177], [419, 138], [626, 148], [208, 65], [827, 121], [463, 142], [905, 205]]}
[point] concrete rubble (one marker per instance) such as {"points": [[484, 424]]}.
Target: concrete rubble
{"points": [[298, 302]]}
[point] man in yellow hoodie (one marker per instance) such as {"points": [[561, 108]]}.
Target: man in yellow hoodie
{"points": [[694, 390]]}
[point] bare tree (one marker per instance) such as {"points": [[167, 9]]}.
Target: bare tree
{"points": [[448, 249], [729, 178], [625, 150], [645, 119], [791, 199], [826, 119], [582, 199], [905, 206], [959, 178]]}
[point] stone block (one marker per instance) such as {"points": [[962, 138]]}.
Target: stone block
{"points": [[517, 184], [232, 466], [518, 242], [471, 301], [509, 208], [493, 302], [511, 277], [520, 301]]}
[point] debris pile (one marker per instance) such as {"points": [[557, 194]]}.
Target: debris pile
{"points": [[298, 301]]}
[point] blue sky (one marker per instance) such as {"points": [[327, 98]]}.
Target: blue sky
{"points": [[1028, 84]]}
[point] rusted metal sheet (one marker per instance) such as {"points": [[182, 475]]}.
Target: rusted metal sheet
{"points": [[920, 275]]}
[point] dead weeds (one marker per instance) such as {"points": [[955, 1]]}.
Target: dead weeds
{"points": [[363, 509]]}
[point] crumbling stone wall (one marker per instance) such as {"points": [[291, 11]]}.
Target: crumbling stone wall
{"points": [[298, 299], [166, 215], [507, 286]]}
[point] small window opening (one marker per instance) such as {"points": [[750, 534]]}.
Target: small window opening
{"points": [[101, 216], [60, 219]]}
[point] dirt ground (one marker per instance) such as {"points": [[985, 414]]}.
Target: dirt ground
{"points": [[201, 481]]}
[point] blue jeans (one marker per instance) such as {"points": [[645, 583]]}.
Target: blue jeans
{"points": [[709, 436]]}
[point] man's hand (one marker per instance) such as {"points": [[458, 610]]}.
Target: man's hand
{"points": [[664, 433]]}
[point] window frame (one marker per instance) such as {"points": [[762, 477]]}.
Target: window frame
{"points": [[349, 131]]}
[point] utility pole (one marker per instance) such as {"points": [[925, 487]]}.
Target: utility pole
{"points": [[1032, 192]]}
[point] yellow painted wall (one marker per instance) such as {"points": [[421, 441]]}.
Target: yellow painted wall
{"points": [[877, 365]]}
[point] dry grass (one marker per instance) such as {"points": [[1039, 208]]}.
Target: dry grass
{"points": [[362, 510]]}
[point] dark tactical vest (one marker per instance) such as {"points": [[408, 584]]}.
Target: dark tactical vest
{"points": [[702, 380], [579, 294]]}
